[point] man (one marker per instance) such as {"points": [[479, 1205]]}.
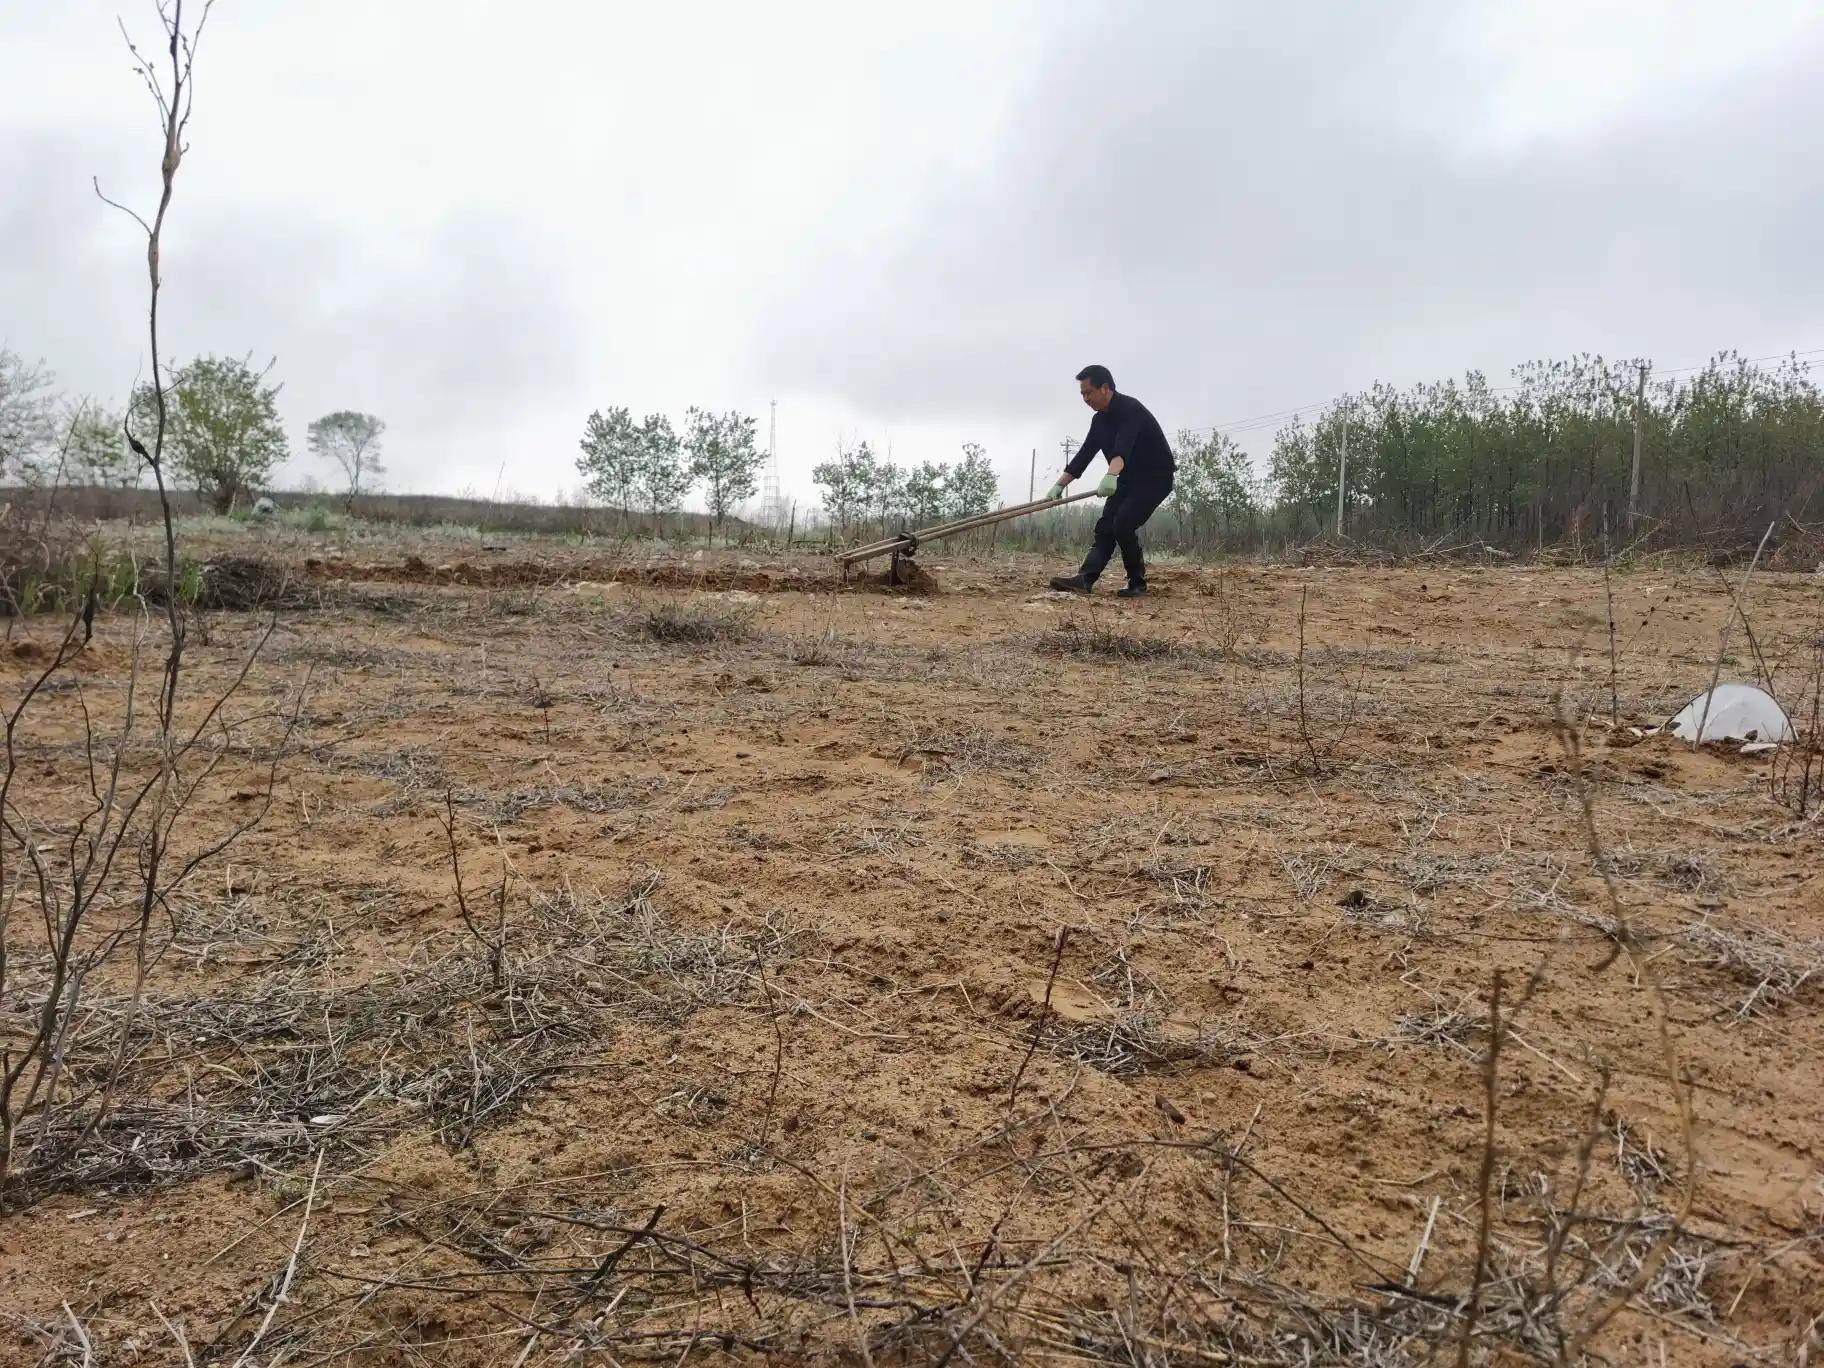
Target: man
{"points": [[1140, 471]]}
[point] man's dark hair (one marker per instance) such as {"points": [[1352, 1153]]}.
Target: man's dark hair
{"points": [[1097, 376]]}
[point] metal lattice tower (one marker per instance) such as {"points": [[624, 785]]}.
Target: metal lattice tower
{"points": [[772, 499]]}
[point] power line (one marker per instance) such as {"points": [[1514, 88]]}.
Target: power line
{"points": [[1746, 361], [1243, 424]]}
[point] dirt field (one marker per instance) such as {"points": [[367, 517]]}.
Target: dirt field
{"points": [[976, 977]]}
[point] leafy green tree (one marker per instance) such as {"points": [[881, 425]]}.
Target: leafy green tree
{"points": [[611, 457], [1215, 483], [887, 500], [352, 441], [973, 486], [926, 492], [848, 485], [723, 457], [26, 402], [223, 430], [99, 454], [660, 477]]}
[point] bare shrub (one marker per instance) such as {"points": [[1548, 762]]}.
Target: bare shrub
{"points": [[687, 622], [828, 647], [1102, 642]]}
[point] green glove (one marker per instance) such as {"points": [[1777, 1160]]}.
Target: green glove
{"points": [[1107, 486], [1055, 492]]}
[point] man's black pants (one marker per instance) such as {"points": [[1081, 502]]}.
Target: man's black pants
{"points": [[1123, 516]]}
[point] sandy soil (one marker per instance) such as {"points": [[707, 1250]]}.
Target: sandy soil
{"points": [[976, 977]]}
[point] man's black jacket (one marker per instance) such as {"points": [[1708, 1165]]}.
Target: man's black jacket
{"points": [[1128, 430]]}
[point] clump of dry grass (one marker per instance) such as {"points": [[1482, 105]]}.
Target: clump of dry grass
{"points": [[1365, 910], [1681, 870], [1694, 872], [1426, 871], [1139, 1039], [1188, 881], [1000, 859], [1441, 1027], [1102, 642], [1130, 1043], [691, 622], [1776, 968], [1644, 1165], [448, 1038], [594, 799], [1329, 706], [1380, 657], [828, 647], [415, 771], [963, 751], [692, 1103], [870, 839], [1310, 870]]}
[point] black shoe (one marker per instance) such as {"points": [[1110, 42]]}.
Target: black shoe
{"points": [[1070, 584], [1132, 591]]}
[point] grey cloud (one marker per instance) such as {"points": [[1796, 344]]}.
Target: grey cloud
{"points": [[1231, 207], [1238, 207], [452, 329], [72, 270]]}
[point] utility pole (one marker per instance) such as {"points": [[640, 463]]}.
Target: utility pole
{"points": [[1342, 472], [1032, 474], [1640, 395]]}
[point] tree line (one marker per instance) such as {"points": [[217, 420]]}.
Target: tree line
{"points": [[651, 466], [1726, 448], [1550, 458], [860, 489], [223, 434], [1545, 459]]}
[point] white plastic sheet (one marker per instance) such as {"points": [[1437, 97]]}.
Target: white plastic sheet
{"points": [[1733, 712]]}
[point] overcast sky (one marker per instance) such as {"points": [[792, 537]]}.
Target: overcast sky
{"points": [[908, 223]]}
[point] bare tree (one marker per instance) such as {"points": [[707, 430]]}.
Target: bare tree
{"points": [[99, 882], [352, 441], [174, 118]]}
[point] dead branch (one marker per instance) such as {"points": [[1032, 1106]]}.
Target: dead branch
{"points": [[1485, 1176], [1038, 1029]]}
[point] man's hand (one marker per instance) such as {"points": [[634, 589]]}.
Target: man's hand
{"points": [[1055, 492], [1107, 487]]}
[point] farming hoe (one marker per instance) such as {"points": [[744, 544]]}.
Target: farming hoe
{"points": [[903, 546]]}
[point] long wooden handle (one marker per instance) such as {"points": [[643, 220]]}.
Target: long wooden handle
{"points": [[955, 525]]}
